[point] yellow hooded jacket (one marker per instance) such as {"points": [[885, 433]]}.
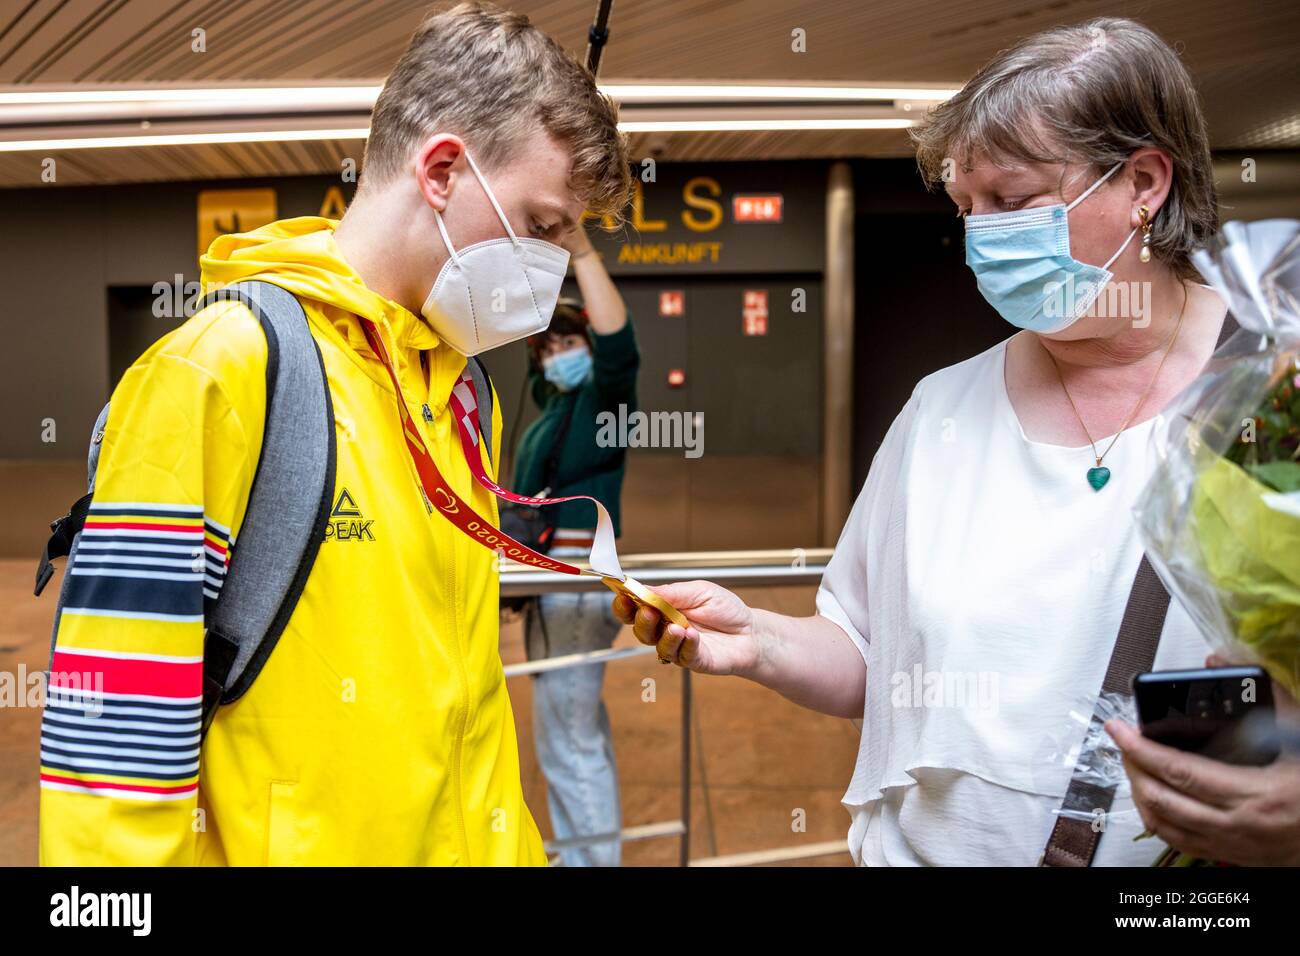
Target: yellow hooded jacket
{"points": [[379, 730]]}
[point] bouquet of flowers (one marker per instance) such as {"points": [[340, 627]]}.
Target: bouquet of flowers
{"points": [[1221, 515]]}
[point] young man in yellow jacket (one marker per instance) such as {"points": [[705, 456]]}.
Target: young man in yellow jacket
{"points": [[379, 730]]}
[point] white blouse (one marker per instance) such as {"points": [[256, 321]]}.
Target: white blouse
{"points": [[984, 581]]}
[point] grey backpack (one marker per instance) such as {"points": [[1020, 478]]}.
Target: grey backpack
{"points": [[288, 506]]}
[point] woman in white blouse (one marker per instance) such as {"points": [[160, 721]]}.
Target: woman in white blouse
{"points": [[978, 586]]}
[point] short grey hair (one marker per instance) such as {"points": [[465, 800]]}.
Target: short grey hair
{"points": [[1085, 94]]}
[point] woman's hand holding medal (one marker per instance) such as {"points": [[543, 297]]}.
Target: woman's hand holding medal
{"points": [[719, 638]]}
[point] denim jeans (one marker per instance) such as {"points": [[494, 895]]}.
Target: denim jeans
{"points": [[571, 725]]}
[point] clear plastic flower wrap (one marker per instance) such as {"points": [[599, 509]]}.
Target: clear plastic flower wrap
{"points": [[1079, 746], [1220, 517]]}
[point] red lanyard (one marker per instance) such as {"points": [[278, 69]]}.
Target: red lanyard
{"points": [[436, 490], [604, 557]]}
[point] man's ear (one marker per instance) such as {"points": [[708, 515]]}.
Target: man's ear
{"points": [[437, 165], [1153, 176]]}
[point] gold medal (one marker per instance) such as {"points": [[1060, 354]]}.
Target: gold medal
{"points": [[644, 597]]}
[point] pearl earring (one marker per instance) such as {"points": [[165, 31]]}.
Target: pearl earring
{"points": [[1144, 215]]}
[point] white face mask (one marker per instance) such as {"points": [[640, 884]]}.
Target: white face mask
{"points": [[497, 291]]}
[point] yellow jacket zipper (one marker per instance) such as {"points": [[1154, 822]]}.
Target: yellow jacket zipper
{"points": [[458, 745]]}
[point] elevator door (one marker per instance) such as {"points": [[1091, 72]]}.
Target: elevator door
{"points": [[753, 400]]}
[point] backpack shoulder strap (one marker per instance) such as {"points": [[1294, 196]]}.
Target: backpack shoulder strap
{"points": [[483, 399], [65, 532], [288, 505], [65, 537]]}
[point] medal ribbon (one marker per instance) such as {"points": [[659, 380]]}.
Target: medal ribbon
{"points": [[437, 492]]}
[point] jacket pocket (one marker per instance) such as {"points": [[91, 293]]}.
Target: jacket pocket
{"points": [[281, 830]]}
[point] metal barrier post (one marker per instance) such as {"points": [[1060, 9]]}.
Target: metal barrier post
{"points": [[730, 568], [685, 854]]}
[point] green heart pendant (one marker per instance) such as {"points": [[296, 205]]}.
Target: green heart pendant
{"points": [[1097, 477]]}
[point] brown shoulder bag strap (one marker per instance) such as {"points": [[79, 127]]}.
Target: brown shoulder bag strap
{"points": [[1075, 835]]}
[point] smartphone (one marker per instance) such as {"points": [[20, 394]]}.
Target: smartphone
{"points": [[1225, 713]]}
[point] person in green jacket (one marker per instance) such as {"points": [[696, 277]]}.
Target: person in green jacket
{"points": [[584, 364]]}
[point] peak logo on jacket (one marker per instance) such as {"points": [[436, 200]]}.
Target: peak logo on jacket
{"points": [[347, 523]]}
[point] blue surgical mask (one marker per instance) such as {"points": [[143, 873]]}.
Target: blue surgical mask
{"points": [[1024, 269], [568, 369]]}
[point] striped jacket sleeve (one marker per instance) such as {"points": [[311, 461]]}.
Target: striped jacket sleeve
{"points": [[120, 731]]}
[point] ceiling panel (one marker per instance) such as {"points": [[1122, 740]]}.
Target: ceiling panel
{"points": [[1242, 55]]}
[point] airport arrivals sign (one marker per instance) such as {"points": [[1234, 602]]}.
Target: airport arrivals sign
{"points": [[720, 218], [752, 217]]}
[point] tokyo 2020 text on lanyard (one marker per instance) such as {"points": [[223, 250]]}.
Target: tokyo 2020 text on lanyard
{"points": [[438, 495]]}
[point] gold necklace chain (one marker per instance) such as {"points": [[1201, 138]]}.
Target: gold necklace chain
{"points": [[1131, 415]]}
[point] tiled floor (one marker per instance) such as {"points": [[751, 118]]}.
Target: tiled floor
{"points": [[766, 774]]}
